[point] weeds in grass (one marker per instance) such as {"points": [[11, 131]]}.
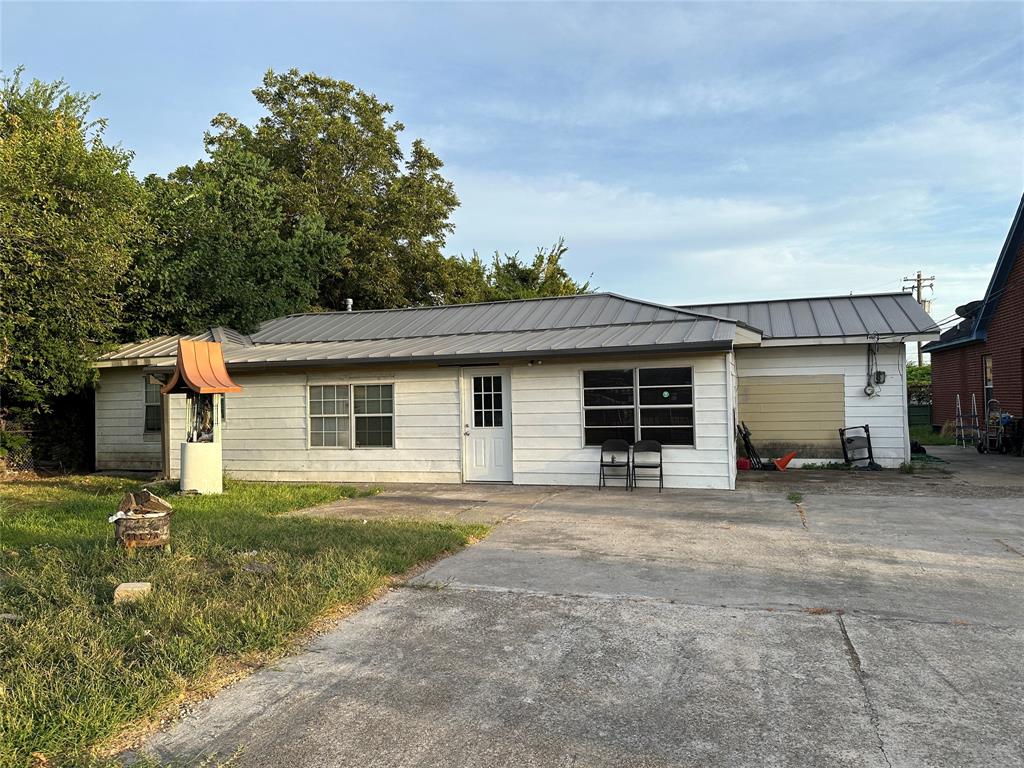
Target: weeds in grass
{"points": [[794, 497], [76, 669], [839, 465], [907, 468]]}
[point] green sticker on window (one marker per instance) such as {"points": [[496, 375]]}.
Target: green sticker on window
{"points": [[665, 393]]}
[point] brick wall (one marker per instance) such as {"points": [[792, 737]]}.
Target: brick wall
{"points": [[959, 369]]}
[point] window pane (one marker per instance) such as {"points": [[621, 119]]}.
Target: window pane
{"points": [[611, 417], [668, 435], [666, 396], [374, 432], [608, 396], [596, 436], [660, 377], [497, 401], [619, 378], [488, 418], [478, 418], [497, 418], [478, 401], [316, 407], [152, 418], [316, 439], [497, 384], [666, 417]]}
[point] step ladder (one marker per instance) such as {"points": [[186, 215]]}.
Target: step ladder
{"points": [[968, 432]]}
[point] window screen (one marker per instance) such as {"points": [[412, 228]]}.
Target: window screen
{"points": [[609, 410], [374, 415], [328, 416], [644, 404], [666, 405], [154, 412]]}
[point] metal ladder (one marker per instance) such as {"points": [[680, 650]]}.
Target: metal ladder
{"points": [[968, 433]]}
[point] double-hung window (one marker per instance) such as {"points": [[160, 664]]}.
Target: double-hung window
{"points": [[374, 415], [351, 415], [328, 416], [154, 412], [639, 404]]}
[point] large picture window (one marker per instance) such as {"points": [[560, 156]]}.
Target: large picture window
{"points": [[357, 415], [639, 404]]}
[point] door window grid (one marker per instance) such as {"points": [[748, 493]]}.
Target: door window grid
{"points": [[488, 408], [644, 404]]}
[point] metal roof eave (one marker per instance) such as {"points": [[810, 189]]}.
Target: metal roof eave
{"points": [[469, 358]]}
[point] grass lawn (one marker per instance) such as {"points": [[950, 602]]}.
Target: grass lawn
{"points": [[239, 584], [925, 436]]}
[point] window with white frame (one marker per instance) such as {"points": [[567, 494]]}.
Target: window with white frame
{"points": [[374, 415], [356, 415], [154, 413], [639, 404], [328, 416]]}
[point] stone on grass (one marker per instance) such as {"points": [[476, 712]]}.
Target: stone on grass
{"points": [[131, 590]]}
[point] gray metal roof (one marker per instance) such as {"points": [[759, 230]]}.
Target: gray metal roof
{"points": [[882, 314], [602, 323]]}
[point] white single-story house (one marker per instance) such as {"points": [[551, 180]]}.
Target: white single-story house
{"points": [[524, 391]]}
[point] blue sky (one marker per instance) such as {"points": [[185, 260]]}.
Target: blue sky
{"points": [[687, 152]]}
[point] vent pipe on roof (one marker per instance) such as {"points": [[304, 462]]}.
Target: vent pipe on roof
{"points": [[348, 305]]}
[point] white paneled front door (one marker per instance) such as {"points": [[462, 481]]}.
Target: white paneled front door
{"points": [[487, 424]]}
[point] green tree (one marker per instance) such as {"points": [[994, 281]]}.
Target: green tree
{"points": [[71, 215], [508, 277], [335, 153], [224, 252], [919, 375]]}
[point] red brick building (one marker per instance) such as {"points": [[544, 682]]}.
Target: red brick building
{"points": [[984, 354]]}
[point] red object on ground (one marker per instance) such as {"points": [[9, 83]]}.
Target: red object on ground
{"points": [[784, 461], [742, 463]]}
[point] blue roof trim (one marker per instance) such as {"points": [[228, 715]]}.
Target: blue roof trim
{"points": [[1007, 258]]}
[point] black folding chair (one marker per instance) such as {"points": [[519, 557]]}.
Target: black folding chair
{"points": [[614, 453], [647, 455]]}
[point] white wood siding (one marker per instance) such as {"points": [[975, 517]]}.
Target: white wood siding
{"points": [[121, 440], [265, 432], [547, 428], [885, 413]]}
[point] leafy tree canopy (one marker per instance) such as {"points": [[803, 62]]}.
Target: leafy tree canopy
{"points": [[224, 252], [71, 216], [919, 375], [334, 152], [508, 276]]}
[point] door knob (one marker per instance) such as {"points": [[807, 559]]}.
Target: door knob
{"points": [[466, 433]]}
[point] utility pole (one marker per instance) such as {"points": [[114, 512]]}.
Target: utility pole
{"points": [[920, 284]]}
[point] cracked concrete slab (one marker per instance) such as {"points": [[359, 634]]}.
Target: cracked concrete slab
{"points": [[485, 679], [695, 628]]}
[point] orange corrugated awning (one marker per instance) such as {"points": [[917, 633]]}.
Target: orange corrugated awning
{"points": [[200, 368]]}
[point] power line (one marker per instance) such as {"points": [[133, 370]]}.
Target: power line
{"points": [[921, 283]]}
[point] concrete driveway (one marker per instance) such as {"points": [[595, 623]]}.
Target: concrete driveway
{"points": [[879, 622]]}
